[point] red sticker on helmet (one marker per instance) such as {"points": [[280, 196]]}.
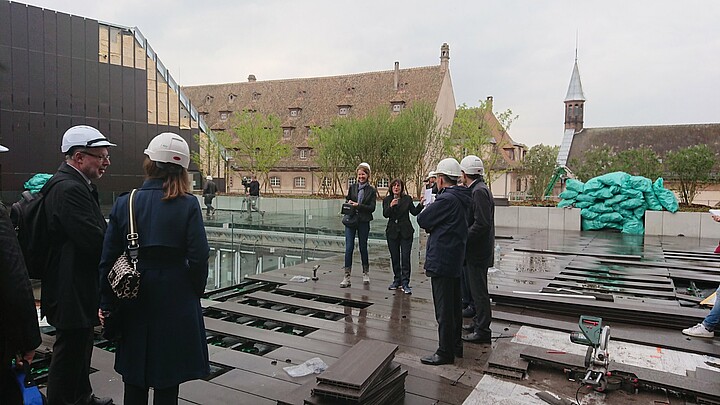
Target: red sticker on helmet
{"points": [[176, 158]]}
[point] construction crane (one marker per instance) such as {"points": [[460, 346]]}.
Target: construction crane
{"points": [[558, 174]]}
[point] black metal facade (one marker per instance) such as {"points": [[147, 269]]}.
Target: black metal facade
{"points": [[52, 79]]}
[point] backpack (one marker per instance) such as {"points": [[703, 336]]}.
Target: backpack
{"points": [[28, 218]]}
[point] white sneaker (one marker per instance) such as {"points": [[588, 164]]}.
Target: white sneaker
{"points": [[366, 278], [345, 281], [699, 331]]}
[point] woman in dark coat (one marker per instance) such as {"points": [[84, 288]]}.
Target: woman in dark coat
{"points": [[162, 340], [362, 196], [397, 207]]}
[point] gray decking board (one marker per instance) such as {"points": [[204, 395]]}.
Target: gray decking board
{"points": [[387, 379], [277, 338], [297, 302], [506, 355], [569, 253], [207, 393], [255, 384], [359, 365], [259, 364], [284, 317]]}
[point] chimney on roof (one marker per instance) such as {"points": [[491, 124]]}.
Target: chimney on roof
{"points": [[489, 102], [396, 76], [252, 78]]}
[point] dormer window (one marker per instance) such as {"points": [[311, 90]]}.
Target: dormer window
{"points": [[224, 115], [308, 132], [209, 99], [231, 97], [397, 106], [295, 112], [287, 132], [255, 96], [343, 109], [304, 153]]}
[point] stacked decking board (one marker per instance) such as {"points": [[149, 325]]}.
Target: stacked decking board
{"points": [[365, 374]]}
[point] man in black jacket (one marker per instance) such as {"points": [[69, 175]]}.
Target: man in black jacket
{"points": [[76, 229], [254, 192], [209, 192], [479, 251], [19, 331], [446, 221]]}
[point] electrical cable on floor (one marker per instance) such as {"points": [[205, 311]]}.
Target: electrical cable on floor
{"points": [[577, 398]]}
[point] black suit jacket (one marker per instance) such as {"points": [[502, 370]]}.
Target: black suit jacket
{"points": [[399, 225]]}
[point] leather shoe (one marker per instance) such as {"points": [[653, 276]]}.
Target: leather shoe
{"points": [[99, 401], [436, 360], [469, 328], [475, 338]]}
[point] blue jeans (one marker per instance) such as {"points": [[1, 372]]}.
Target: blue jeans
{"points": [[711, 321], [363, 232]]}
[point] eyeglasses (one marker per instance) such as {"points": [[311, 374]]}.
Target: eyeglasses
{"points": [[101, 157]]}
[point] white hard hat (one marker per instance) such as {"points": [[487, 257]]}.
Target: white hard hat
{"points": [[449, 167], [84, 136], [365, 165], [472, 164], [208, 178], [3, 149], [169, 148]]}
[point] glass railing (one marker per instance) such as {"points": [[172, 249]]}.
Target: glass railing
{"points": [[277, 233]]}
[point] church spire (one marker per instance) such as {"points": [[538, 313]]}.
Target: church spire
{"points": [[575, 102]]}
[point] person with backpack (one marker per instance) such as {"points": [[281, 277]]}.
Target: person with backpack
{"points": [[75, 231], [19, 330]]}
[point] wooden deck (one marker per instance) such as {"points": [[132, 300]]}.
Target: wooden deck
{"points": [[274, 323]]}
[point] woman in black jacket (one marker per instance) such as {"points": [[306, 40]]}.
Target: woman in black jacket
{"points": [[361, 195], [399, 232]]}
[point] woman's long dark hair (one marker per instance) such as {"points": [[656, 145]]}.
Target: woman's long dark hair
{"points": [[394, 182], [175, 177]]}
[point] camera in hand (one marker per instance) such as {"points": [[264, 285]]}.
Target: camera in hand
{"points": [[246, 181]]}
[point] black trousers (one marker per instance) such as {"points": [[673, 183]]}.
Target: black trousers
{"points": [[69, 374], [467, 298], [478, 284], [400, 257], [135, 395], [448, 313]]}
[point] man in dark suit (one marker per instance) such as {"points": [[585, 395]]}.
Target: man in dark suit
{"points": [[19, 331], [76, 229]]}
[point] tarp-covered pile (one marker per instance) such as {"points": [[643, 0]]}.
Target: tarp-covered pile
{"points": [[617, 200]]}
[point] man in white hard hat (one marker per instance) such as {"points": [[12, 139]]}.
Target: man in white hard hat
{"points": [[446, 220], [479, 250], [76, 228], [20, 331], [209, 192]]}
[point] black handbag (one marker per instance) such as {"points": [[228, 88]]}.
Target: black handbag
{"points": [[124, 277], [347, 209], [350, 220]]}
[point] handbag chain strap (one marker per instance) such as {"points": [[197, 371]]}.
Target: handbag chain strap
{"points": [[132, 235]]}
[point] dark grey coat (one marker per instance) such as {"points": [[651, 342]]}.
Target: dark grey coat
{"points": [[76, 229], [481, 230], [163, 334], [366, 207]]}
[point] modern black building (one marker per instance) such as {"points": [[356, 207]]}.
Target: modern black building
{"points": [[60, 70]]}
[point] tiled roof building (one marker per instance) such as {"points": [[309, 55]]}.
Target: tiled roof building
{"points": [[303, 103]]}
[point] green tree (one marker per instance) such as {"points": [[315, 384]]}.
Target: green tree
{"points": [[394, 145], [256, 140], [691, 167], [479, 131], [596, 161], [212, 152], [641, 161], [539, 166]]}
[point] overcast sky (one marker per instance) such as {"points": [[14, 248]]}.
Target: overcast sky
{"points": [[641, 62]]}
